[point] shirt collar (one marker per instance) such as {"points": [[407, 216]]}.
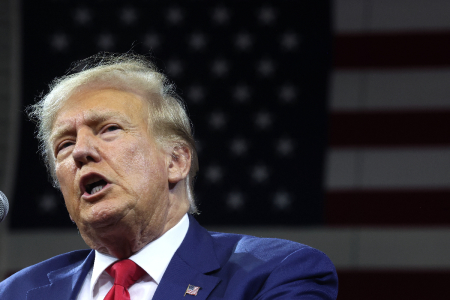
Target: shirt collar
{"points": [[153, 258]]}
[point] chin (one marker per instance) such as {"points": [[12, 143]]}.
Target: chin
{"points": [[102, 219]]}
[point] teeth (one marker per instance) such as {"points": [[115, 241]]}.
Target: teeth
{"points": [[96, 189]]}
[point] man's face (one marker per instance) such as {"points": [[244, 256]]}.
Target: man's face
{"points": [[110, 169]]}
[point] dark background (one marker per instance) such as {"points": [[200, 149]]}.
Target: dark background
{"points": [[254, 77]]}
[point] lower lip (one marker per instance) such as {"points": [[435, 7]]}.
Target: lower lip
{"points": [[91, 197]]}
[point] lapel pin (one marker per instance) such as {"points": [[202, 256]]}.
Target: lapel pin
{"points": [[192, 290]]}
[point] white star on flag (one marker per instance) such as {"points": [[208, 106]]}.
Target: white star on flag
{"points": [[267, 15], [60, 41], [106, 41], [220, 67], [197, 41], [241, 93], [285, 146], [239, 146], [217, 120], [243, 41], [282, 200], [287, 93], [266, 67], [289, 41], [82, 16], [221, 15], [196, 93], [260, 173], [263, 120], [174, 15], [235, 200], [174, 67], [48, 202], [128, 15], [151, 40], [214, 173]]}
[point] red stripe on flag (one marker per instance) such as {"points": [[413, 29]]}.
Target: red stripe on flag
{"points": [[391, 50], [389, 128], [388, 208], [398, 285]]}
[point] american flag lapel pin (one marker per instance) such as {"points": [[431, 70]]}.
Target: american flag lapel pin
{"points": [[192, 290]]}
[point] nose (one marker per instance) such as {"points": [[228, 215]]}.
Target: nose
{"points": [[86, 149]]}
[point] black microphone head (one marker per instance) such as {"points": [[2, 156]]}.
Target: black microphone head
{"points": [[4, 206]]}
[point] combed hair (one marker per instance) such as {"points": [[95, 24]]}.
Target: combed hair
{"points": [[168, 119]]}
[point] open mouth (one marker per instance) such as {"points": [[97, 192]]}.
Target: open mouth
{"points": [[92, 184], [95, 186]]}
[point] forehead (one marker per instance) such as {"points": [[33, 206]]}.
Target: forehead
{"points": [[97, 105]]}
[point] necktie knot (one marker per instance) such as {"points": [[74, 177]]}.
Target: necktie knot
{"points": [[125, 273]]}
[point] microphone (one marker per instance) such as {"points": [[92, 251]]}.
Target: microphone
{"points": [[4, 206]]}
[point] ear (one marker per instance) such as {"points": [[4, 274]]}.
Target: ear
{"points": [[180, 163]]}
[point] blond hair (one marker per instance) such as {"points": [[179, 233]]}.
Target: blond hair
{"points": [[129, 72]]}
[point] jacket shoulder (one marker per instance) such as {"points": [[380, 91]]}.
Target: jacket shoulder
{"points": [[16, 286], [261, 248], [266, 267]]}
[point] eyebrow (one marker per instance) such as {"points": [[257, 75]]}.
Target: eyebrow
{"points": [[90, 117]]}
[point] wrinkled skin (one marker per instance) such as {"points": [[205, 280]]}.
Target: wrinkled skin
{"points": [[103, 134]]}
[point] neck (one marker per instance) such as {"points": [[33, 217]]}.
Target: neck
{"points": [[121, 241]]}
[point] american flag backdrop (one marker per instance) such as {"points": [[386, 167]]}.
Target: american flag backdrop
{"points": [[331, 114], [388, 161]]}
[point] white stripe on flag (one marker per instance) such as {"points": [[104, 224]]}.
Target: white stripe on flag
{"points": [[390, 89], [388, 168], [390, 15]]}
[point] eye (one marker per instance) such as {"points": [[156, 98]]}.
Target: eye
{"points": [[63, 145], [112, 128]]}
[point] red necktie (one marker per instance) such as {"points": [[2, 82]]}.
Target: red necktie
{"points": [[125, 273]]}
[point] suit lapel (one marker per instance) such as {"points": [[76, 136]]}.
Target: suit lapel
{"points": [[194, 258], [65, 283], [178, 276]]}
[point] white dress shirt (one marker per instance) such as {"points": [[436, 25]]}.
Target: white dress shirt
{"points": [[153, 258]]}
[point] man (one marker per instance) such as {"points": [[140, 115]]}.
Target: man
{"points": [[118, 144]]}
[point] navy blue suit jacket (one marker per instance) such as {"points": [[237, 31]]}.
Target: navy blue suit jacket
{"points": [[224, 266]]}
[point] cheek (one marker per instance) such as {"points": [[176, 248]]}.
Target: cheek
{"points": [[65, 174], [145, 165], [133, 156], [66, 177]]}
